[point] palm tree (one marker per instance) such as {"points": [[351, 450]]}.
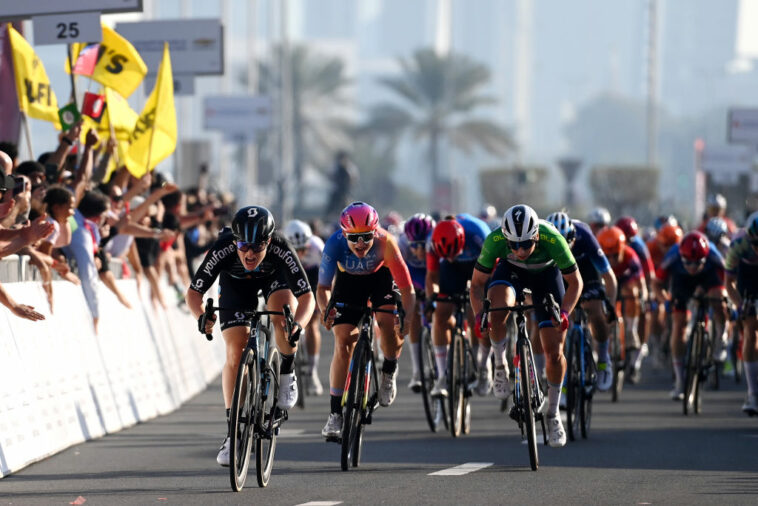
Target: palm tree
{"points": [[438, 96], [319, 109]]}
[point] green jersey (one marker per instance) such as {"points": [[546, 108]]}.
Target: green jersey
{"points": [[552, 250]]}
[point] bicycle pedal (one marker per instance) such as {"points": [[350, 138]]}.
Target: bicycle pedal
{"points": [[334, 439]]}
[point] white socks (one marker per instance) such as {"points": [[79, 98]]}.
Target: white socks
{"points": [[440, 356]]}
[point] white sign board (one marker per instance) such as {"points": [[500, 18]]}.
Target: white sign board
{"points": [[743, 126], [29, 8], [196, 45], [67, 28], [237, 114], [726, 163], [183, 85]]}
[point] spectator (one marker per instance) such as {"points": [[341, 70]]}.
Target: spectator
{"points": [[344, 178], [9, 149]]}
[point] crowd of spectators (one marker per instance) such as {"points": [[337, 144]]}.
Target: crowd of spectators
{"points": [[72, 215]]}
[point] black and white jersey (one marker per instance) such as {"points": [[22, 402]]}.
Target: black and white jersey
{"points": [[280, 257]]}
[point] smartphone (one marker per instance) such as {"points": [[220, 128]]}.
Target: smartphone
{"points": [[18, 188]]}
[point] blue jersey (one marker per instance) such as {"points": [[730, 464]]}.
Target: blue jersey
{"points": [[672, 264], [476, 232], [588, 253]]}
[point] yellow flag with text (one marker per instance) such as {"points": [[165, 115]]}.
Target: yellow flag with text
{"points": [[119, 65], [154, 135], [35, 95]]}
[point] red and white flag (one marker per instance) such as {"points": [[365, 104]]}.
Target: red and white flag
{"points": [[85, 63]]}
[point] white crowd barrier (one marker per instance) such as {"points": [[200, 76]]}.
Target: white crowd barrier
{"points": [[62, 384]]}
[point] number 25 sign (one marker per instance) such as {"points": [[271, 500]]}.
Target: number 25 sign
{"points": [[67, 28]]}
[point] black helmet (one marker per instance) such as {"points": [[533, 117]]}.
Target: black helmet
{"points": [[253, 224]]}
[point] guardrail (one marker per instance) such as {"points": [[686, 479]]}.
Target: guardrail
{"points": [[62, 384]]}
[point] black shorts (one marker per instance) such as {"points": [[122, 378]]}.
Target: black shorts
{"points": [[539, 282], [356, 290], [237, 295], [148, 250], [454, 277], [593, 290], [747, 280], [683, 286]]}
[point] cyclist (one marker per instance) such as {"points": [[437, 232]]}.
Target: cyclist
{"points": [[599, 282], [413, 242], [368, 266], [628, 225], [715, 207], [667, 235], [692, 265], [533, 255], [717, 231], [309, 248], [251, 257], [631, 284], [598, 219], [456, 244], [742, 285]]}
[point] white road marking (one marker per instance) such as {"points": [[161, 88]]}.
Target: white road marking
{"points": [[320, 503], [292, 433], [467, 468]]}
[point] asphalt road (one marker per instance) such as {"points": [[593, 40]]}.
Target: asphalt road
{"points": [[641, 450]]}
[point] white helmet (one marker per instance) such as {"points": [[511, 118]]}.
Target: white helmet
{"points": [[298, 232], [520, 223], [716, 200], [599, 215]]}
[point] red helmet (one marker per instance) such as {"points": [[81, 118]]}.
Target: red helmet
{"points": [[448, 238], [359, 217], [628, 225], [612, 240], [694, 247]]}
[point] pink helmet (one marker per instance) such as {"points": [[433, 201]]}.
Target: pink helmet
{"points": [[359, 217]]}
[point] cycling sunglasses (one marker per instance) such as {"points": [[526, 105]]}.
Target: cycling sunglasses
{"points": [[417, 244], [693, 262], [257, 248], [516, 245], [366, 236]]}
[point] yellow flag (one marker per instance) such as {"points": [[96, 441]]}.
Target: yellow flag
{"points": [[119, 65], [154, 135], [120, 114], [35, 95]]}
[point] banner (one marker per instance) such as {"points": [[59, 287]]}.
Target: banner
{"points": [[119, 65], [11, 123], [35, 95], [154, 135]]}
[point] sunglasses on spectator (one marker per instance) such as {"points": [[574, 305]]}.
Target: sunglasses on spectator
{"points": [[257, 248], [517, 245], [366, 236], [417, 244], [117, 198], [693, 262]]}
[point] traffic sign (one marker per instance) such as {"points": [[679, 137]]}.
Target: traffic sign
{"points": [[237, 114], [743, 126], [196, 45], [67, 28], [12, 9]]}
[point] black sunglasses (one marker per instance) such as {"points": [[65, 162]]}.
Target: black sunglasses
{"points": [[417, 244], [257, 248], [693, 262], [366, 236], [516, 245], [117, 198]]}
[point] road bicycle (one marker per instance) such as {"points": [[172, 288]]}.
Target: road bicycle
{"points": [[616, 348], [698, 358], [529, 401], [581, 376], [434, 407], [361, 395], [461, 368], [254, 415]]}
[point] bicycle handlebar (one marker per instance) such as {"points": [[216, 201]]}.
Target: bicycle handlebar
{"points": [[289, 319], [549, 304], [400, 312]]}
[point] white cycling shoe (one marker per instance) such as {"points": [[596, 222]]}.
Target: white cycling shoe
{"points": [[287, 391], [223, 453], [388, 388], [556, 433], [440, 387], [502, 385], [484, 381], [333, 427]]}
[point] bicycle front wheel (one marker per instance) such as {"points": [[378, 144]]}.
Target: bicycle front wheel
{"points": [[588, 390], [301, 368], [573, 387], [268, 417], [528, 394], [456, 384], [691, 371], [242, 419], [433, 407], [352, 430], [617, 356]]}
